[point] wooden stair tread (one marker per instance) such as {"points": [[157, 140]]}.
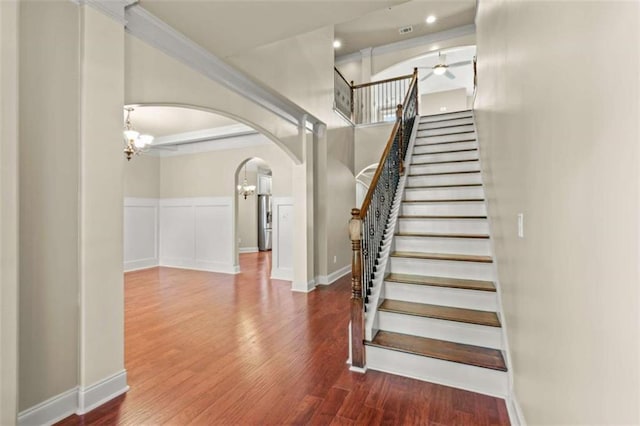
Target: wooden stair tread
{"points": [[469, 316], [445, 119], [440, 143], [440, 349], [432, 235], [417, 216], [443, 256], [443, 173], [443, 186], [446, 152], [442, 127], [444, 134], [443, 162], [448, 200], [446, 113], [442, 282]]}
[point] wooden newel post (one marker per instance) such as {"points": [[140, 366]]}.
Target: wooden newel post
{"points": [[400, 139], [357, 304]]}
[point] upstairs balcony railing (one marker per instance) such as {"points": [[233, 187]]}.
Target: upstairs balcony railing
{"points": [[373, 102], [369, 222]]}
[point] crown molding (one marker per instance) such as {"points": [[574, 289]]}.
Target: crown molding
{"points": [[157, 33], [114, 9], [215, 133], [456, 32]]}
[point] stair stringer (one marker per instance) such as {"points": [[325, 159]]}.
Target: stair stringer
{"points": [[377, 293], [510, 399]]}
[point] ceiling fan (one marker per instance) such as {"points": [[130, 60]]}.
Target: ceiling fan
{"points": [[443, 68]]}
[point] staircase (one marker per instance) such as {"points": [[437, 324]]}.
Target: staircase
{"points": [[437, 316]]}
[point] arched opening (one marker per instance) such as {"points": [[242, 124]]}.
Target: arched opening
{"points": [[363, 181], [181, 200], [253, 225]]}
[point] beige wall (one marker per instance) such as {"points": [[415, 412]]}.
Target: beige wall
{"points": [[452, 100], [49, 172], [8, 212], [212, 174], [248, 213], [370, 141], [142, 177], [559, 141]]}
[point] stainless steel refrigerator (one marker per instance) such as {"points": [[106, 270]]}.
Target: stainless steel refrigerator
{"points": [[264, 222]]}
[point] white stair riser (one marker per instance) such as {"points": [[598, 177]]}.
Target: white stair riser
{"points": [[451, 331], [434, 148], [451, 156], [452, 193], [445, 296], [462, 376], [444, 209], [443, 226], [477, 246], [443, 268], [445, 168], [458, 179], [445, 130], [424, 139], [440, 117], [452, 122]]}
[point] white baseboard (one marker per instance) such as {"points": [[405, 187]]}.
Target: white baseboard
{"points": [[248, 250], [224, 268], [281, 274], [101, 392], [50, 411], [303, 287], [334, 276], [515, 412], [136, 265], [77, 400]]}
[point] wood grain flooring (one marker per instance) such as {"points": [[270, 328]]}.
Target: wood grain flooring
{"points": [[205, 348]]}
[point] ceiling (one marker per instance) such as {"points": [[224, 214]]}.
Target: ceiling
{"points": [[231, 27], [162, 121], [381, 27], [436, 83]]}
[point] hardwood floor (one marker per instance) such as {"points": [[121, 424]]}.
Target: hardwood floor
{"points": [[205, 348]]}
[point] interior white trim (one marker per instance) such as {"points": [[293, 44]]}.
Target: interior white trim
{"points": [[411, 42], [50, 411], [303, 287], [247, 249], [334, 276], [516, 417], [114, 9], [281, 274], [229, 142], [135, 236], [223, 132], [157, 33], [101, 392]]}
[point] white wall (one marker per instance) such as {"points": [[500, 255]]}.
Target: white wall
{"points": [[248, 215], [142, 177], [559, 135], [141, 233], [443, 102], [8, 212]]}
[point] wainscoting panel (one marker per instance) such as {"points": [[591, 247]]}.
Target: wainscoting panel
{"points": [[197, 233], [140, 233], [282, 256]]}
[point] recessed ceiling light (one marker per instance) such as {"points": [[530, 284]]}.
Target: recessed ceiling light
{"points": [[337, 44], [431, 19]]}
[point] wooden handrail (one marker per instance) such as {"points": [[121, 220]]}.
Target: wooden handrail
{"points": [[387, 149], [373, 83], [342, 76]]}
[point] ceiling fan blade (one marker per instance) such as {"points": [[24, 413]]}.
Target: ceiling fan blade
{"points": [[449, 74], [460, 64], [426, 76]]}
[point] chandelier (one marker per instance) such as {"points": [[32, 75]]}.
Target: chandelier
{"points": [[134, 142], [245, 189]]}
